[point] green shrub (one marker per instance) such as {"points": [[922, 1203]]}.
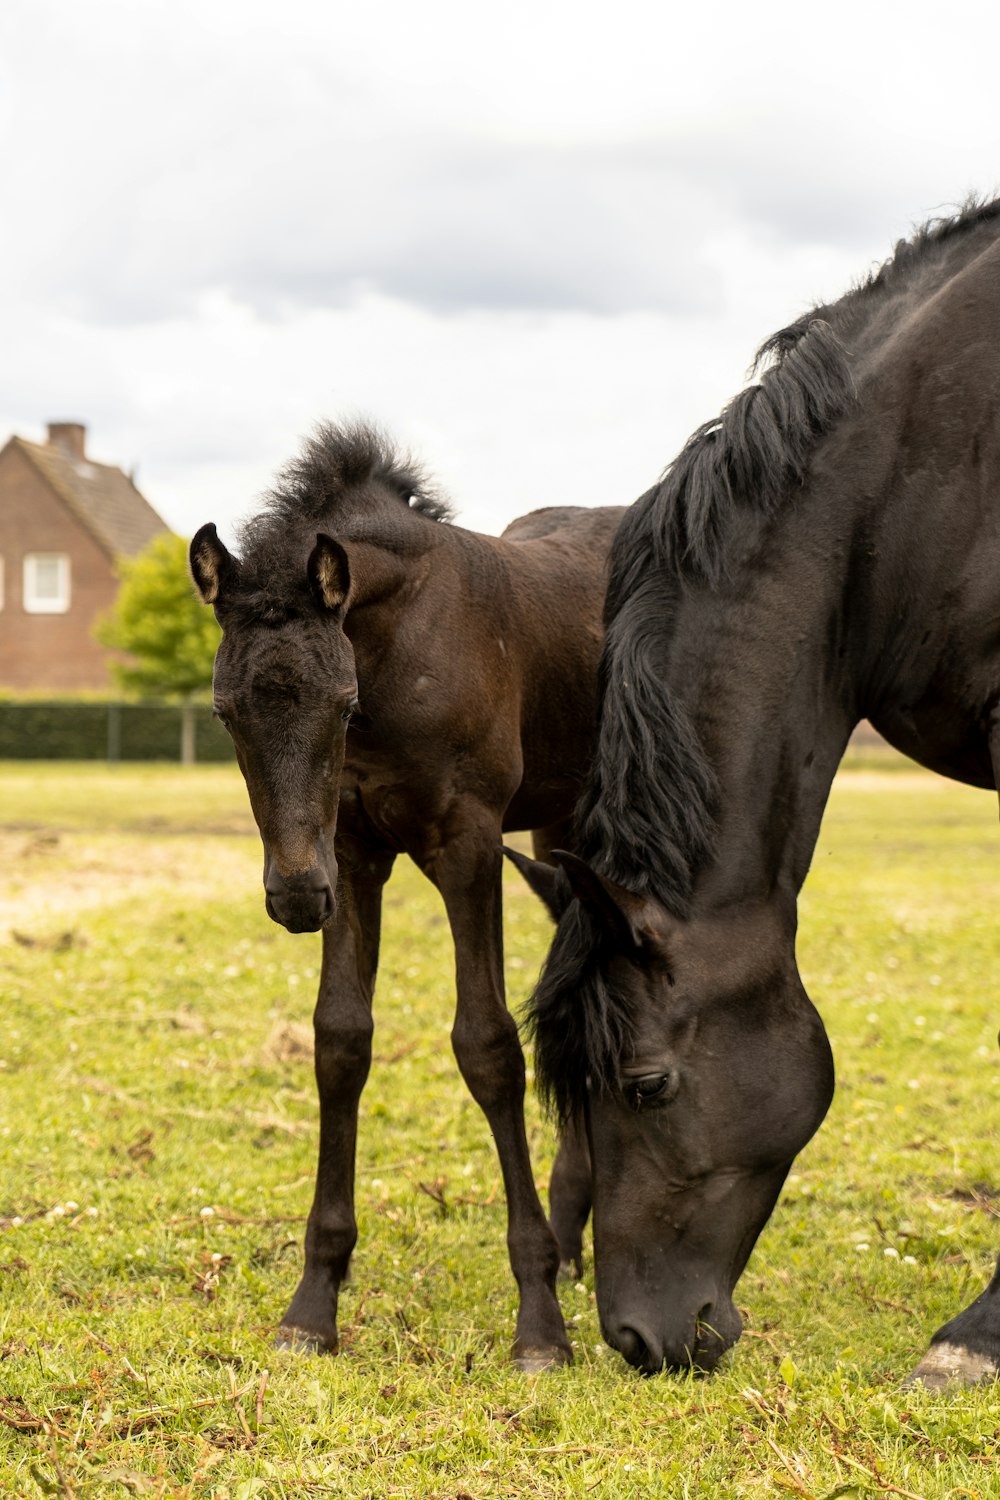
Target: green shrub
{"points": [[71, 729]]}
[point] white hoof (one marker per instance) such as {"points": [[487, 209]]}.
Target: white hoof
{"points": [[950, 1364]]}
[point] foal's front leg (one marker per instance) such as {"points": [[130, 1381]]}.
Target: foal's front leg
{"points": [[468, 874], [343, 1031]]}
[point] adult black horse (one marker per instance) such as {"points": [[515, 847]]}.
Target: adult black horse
{"points": [[466, 667], [828, 550]]}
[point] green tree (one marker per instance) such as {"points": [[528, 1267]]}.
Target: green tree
{"points": [[168, 633]]}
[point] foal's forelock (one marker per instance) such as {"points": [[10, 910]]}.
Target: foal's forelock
{"points": [[348, 478]]}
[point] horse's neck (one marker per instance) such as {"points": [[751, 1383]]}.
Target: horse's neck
{"points": [[773, 712]]}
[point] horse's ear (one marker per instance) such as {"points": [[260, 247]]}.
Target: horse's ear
{"points": [[633, 921], [547, 882], [212, 567], [329, 572]]}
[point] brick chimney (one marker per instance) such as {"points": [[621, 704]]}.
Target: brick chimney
{"points": [[69, 436]]}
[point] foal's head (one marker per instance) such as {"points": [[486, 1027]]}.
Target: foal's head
{"points": [[285, 688]]}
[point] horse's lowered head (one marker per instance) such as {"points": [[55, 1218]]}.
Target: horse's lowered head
{"points": [[285, 687], [701, 1069]]}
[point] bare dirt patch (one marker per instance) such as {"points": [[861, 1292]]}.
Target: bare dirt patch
{"points": [[48, 882]]}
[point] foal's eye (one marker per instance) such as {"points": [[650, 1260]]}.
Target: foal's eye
{"points": [[653, 1088], [349, 710]]}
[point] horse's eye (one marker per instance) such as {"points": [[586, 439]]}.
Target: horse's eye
{"points": [[349, 710], [653, 1088], [223, 719]]}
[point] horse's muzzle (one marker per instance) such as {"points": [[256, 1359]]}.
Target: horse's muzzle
{"points": [[697, 1349]]}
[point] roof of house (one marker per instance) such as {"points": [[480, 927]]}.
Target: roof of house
{"points": [[102, 497]]}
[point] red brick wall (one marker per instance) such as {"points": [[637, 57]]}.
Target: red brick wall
{"points": [[48, 653]]}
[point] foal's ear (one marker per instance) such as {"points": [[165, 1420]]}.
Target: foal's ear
{"points": [[547, 882], [212, 567], [329, 573], [633, 921]]}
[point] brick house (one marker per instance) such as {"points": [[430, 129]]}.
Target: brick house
{"points": [[63, 521]]}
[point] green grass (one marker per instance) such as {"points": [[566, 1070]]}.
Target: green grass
{"points": [[157, 1139]]}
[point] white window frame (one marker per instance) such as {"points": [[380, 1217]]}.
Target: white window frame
{"points": [[46, 604]]}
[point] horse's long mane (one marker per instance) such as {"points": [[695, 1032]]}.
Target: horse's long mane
{"points": [[647, 814], [753, 455], [340, 467]]}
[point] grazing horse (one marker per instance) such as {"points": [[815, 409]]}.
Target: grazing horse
{"points": [[396, 685], [828, 550]]}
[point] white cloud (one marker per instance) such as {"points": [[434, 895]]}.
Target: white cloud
{"points": [[540, 245]]}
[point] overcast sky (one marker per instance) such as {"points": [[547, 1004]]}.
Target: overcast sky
{"points": [[539, 243]]}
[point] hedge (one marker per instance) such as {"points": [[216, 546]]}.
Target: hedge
{"points": [[81, 730]]}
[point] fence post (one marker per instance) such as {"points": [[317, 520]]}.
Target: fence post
{"points": [[187, 731], [114, 732]]}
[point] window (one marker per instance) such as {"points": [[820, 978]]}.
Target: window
{"points": [[46, 583]]}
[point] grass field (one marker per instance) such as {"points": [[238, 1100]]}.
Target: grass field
{"points": [[157, 1143]]}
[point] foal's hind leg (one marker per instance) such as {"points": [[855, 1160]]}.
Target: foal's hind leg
{"points": [[467, 871], [343, 1029], [570, 1196], [570, 1188], [965, 1351]]}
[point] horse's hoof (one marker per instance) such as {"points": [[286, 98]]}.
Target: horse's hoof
{"points": [[570, 1270], [949, 1364], [301, 1341], [534, 1361]]}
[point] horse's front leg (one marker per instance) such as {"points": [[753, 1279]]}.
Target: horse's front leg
{"points": [[467, 871], [965, 1351], [343, 1032]]}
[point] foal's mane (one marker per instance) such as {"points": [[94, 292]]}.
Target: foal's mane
{"points": [[646, 817], [343, 470]]}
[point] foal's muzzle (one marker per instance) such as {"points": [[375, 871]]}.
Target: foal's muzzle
{"points": [[300, 903]]}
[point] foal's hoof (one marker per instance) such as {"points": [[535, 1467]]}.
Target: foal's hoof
{"points": [[301, 1341], [534, 1361], [949, 1364]]}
